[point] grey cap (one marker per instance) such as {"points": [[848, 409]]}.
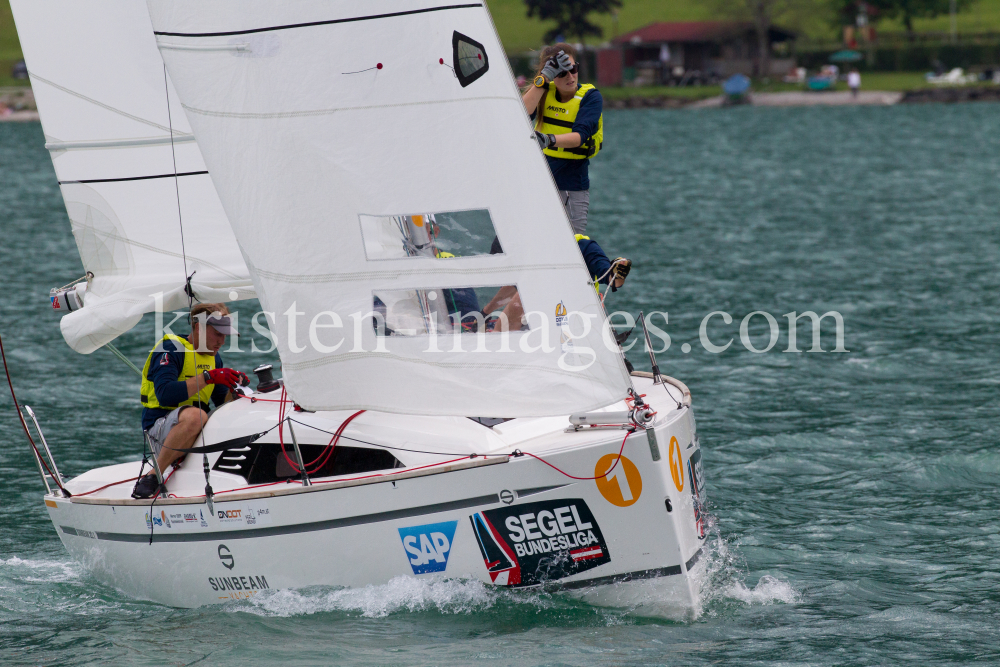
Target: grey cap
{"points": [[223, 325]]}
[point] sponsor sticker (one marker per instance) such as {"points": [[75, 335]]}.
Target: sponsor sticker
{"points": [[427, 547], [234, 515], [696, 477], [676, 463], [160, 521], [620, 484], [238, 587], [250, 514], [529, 544]]}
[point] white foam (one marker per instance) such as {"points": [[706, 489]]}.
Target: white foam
{"points": [[767, 591], [40, 570], [400, 594], [721, 576]]}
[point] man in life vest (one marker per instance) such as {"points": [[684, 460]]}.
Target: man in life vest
{"points": [[569, 127], [182, 373]]}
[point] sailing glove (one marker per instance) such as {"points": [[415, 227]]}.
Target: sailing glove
{"points": [[545, 140], [226, 376], [556, 65], [622, 268]]}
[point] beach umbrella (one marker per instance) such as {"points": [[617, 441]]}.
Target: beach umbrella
{"points": [[846, 56]]}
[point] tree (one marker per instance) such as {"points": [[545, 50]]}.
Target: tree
{"points": [[571, 16], [762, 13], [905, 10]]}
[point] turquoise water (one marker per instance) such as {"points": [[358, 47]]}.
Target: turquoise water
{"points": [[854, 495]]}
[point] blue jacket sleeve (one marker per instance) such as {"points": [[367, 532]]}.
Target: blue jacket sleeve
{"points": [[597, 262], [164, 369], [590, 113]]}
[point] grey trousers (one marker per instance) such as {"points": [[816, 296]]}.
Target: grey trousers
{"points": [[577, 205]]}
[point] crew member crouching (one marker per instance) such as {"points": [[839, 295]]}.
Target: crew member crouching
{"points": [[182, 373]]}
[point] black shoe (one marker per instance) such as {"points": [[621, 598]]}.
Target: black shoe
{"points": [[146, 487]]}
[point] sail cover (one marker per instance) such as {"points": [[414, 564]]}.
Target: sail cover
{"points": [[101, 91], [381, 176]]}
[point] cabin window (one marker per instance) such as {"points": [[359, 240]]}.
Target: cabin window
{"points": [[261, 463], [431, 235], [443, 310], [469, 58]]}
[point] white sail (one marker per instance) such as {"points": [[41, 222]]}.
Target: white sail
{"points": [[322, 122], [101, 91]]}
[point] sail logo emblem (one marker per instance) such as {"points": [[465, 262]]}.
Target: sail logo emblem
{"points": [[427, 547], [621, 485], [528, 544]]}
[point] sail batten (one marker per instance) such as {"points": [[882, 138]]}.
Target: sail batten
{"points": [[122, 165], [390, 200]]}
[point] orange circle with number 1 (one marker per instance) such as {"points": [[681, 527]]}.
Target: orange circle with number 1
{"points": [[624, 485], [676, 463]]}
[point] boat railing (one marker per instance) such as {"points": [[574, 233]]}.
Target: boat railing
{"points": [[52, 467]]}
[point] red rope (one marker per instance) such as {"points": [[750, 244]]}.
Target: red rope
{"points": [[21, 417], [332, 444], [608, 472], [390, 474]]}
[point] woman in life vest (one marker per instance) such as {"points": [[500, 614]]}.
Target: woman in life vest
{"points": [[568, 125]]}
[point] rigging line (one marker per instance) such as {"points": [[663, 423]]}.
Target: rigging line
{"points": [[98, 103], [17, 407], [177, 189], [117, 353]]}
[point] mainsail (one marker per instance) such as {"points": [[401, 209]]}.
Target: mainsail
{"points": [[102, 93], [336, 133]]}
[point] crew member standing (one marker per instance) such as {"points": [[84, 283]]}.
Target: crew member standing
{"points": [[569, 127], [182, 373]]}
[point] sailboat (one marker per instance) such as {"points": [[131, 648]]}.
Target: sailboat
{"points": [[371, 177]]}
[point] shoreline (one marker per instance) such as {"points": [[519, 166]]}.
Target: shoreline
{"points": [[21, 101], [803, 98]]}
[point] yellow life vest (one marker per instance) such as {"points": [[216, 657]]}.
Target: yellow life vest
{"points": [[558, 118], [194, 364]]}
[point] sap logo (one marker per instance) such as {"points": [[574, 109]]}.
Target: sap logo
{"points": [[428, 547]]}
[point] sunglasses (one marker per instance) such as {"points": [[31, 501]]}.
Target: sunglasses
{"points": [[574, 70]]}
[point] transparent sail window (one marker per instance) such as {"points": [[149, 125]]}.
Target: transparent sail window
{"points": [[469, 58], [434, 235], [448, 311]]}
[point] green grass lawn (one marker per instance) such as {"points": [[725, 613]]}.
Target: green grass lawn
{"points": [[10, 48]]}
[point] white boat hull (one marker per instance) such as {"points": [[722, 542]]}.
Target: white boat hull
{"points": [[625, 541]]}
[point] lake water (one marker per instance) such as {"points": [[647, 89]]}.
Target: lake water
{"points": [[854, 495]]}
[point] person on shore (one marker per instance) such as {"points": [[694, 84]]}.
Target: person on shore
{"points": [[569, 127], [182, 373], [854, 81]]}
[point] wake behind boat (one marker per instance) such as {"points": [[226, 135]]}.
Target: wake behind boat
{"points": [[375, 178]]}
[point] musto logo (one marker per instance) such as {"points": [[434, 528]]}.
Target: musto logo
{"points": [[427, 547], [533, 543]]}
